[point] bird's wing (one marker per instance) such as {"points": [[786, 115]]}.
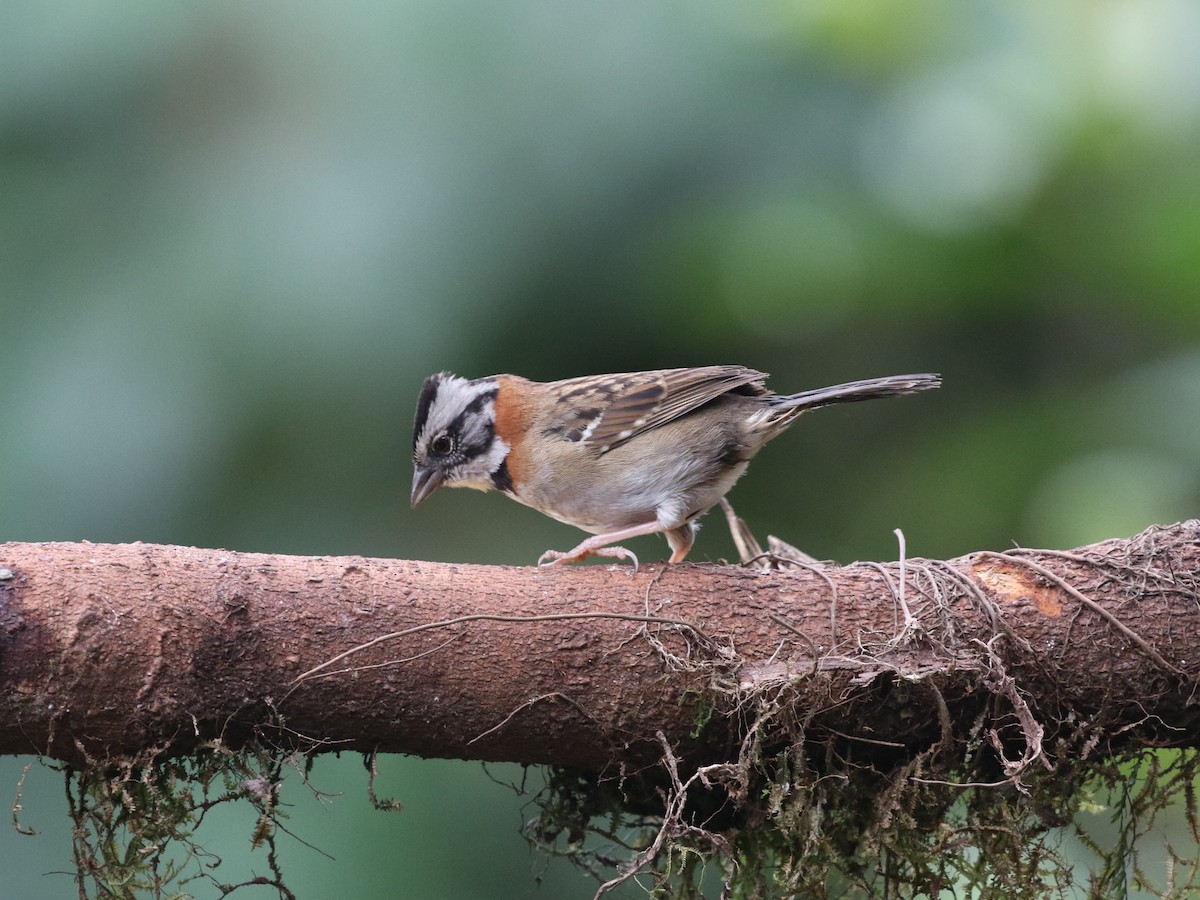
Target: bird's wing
{"points": [[605, 411]]}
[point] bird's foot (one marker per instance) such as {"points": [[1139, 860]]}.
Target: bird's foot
{"points": [[582, 552]]}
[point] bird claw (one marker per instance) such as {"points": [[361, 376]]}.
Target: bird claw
{"points": [[562, 557]]}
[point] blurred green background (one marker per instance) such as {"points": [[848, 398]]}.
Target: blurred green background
{"points": [[235, 237]]}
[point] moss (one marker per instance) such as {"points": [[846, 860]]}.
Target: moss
{"points": [[135, 819], [853, 831]]}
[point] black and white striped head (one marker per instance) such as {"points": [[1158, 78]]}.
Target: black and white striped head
{"points": [[454, 437]]}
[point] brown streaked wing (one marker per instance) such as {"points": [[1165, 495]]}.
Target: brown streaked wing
{"points": [[608, 410]]}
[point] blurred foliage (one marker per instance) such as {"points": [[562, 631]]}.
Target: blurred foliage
{"points": [[233, 239]]}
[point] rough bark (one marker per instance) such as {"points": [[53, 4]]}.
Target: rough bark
{"points": [[108, 649]]}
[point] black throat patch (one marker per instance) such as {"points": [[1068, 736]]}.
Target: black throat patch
{"points": [[502, 479]]}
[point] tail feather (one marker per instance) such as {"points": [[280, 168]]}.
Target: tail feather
{"points": [[791, 405]]}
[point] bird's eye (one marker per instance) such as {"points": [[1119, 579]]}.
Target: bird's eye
{"points": [[442, 445]]}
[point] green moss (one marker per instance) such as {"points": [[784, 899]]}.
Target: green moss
{"points": [[135, 819]]}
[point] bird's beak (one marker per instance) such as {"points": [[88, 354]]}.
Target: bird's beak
{"points": [[425, 482]]}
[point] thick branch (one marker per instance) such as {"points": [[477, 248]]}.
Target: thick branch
{"points": [[109, 649]]}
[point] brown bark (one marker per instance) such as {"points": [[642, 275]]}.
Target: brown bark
{"points": [[109, 649]]}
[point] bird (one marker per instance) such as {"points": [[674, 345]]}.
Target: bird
{"points": [[619, 455]]}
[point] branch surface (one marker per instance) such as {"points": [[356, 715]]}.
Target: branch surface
{"points": [[106, 650]]}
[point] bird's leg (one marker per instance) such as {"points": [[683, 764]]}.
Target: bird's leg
{"points": [[681, 540], [598, 545]]}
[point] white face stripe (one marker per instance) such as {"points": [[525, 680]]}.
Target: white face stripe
{"points": [[477, 473]]}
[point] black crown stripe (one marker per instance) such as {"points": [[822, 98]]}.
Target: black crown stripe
{"points": [[424, 402]]}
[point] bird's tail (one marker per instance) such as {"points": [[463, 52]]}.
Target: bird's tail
{"points": [[786, 408]]}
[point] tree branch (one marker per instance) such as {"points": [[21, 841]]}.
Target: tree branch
{"points": [[108, 649]]}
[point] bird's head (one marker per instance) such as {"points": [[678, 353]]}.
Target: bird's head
{"points": [[454, 436]]}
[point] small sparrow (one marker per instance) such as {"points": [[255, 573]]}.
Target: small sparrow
{"points": [[616, 455]]}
